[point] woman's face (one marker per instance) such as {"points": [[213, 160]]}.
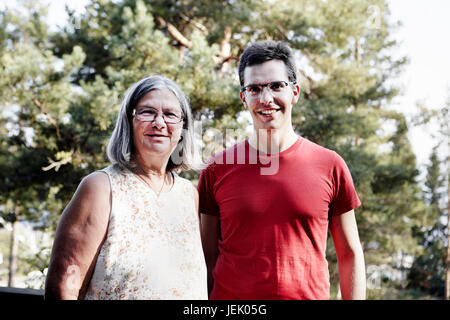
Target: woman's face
{"points": [[157, 138]]}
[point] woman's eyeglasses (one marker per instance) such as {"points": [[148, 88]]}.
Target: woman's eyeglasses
{"points": [[150, 114]]}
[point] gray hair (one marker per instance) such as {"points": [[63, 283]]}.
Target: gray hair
{"points": [[120, 149]]}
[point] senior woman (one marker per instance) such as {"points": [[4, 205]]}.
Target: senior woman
{"points": [[131, 230]]}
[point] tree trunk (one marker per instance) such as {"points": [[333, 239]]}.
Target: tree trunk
{"points": [[14, 248], [447, 264], [225, 50]]}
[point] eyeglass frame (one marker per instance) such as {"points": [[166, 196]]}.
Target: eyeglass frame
{"points": [[135, 114], [263, 85]]}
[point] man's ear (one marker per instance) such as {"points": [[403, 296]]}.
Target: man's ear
{"points": [[296, 91], [242, 96]]}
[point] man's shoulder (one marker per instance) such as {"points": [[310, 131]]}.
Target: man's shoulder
{"points": [[316, 148], [318, 153]]}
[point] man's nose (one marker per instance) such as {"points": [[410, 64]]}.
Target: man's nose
{"points": [[266, 95]]}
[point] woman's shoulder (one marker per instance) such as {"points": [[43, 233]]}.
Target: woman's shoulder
{"points": [[95, 177], [186, 189], [96, 182], [186, 183], [92, 198]]}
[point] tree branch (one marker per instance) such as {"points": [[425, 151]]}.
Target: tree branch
{"points": [[174, 33], [196, 24], [41, 107], [47, 115]]}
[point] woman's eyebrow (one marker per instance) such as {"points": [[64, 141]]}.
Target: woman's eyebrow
{"points": [[164, 108], [145, 106]]}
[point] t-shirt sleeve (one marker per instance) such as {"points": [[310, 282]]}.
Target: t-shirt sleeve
{"points": [[205, 187], [345, 197]]}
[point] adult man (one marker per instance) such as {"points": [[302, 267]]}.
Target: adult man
{"points": [[264, 232]]}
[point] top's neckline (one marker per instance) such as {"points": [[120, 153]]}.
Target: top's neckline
{"points": [[174, 177], [285, 152]]}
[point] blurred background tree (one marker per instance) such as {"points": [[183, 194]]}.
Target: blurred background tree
{"points": [[430, 272], [60, 92]]}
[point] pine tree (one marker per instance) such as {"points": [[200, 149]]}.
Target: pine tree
{"points": [[429, 268], [35, 96]]}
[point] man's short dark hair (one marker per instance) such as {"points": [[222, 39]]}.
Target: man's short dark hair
{"points": [[263, 51]]}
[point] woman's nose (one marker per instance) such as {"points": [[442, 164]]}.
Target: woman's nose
{"points": [[159, 121]]}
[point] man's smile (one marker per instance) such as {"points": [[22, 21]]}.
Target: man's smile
{"points": [[268, 111]]}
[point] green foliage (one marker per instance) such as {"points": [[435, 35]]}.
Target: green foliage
{"points": [[35, 97]]}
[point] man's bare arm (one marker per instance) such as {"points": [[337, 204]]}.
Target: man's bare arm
{"points": [[352, 275], [210, 227]]}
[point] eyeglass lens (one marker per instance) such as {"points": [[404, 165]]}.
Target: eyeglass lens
{"points": [[150, 114], [275, 86]]}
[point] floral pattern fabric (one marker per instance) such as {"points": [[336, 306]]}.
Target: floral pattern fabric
{"points": [[153, 248]]}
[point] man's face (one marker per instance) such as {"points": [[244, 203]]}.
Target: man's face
{"points": [[271, 107]]}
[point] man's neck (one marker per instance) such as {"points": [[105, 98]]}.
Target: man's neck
{"points": [[272, 141]]}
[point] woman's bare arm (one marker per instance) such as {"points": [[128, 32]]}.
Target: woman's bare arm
{"points": [[79, 236]]}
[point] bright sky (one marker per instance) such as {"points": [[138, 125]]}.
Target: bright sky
{"points": [[424, 38]]}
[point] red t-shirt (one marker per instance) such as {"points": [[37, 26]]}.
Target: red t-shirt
{"points": [[274, 213]]}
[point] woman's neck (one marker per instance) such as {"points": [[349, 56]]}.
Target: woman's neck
{"points": [[151, 168]]}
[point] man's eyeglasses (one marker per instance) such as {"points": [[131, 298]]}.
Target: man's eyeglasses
{"points": [[150, 114], [274, 87]]}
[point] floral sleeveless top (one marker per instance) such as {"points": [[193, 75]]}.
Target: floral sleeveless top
{"points": [[152, 248]]}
